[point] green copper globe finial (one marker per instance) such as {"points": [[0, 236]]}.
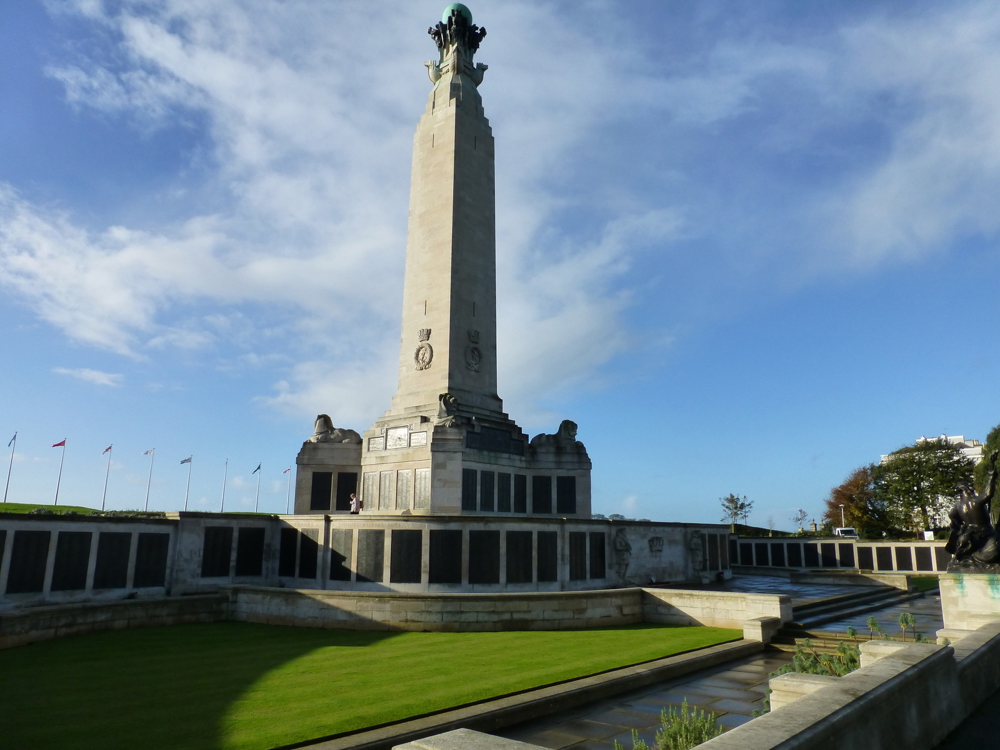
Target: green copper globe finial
{"points": [[461, 9]]}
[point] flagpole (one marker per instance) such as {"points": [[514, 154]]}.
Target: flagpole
{"points": [[256, 502], [225, 474], [288, 492], [59, 480], [13, 442], [107, 475], [187, 491], [149, 482]]}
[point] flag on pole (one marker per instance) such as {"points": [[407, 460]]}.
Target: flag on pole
{"points": [[60, 443], [255, 470], [287, 470], [106, 450], [149, 452], [13, 439], [187, 460]]}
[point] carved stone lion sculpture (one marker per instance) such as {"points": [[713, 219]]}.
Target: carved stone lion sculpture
{"points": [[564, 438], [325, 432]]}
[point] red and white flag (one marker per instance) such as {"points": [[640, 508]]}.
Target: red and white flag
{"points": [[287, 470], [105, 450], [61, 443]]}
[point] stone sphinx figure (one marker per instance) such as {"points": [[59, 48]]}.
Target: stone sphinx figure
{"points": [[974, 542], [325, 432]]}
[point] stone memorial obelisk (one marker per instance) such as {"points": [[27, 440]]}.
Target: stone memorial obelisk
{"points": [[446, 446]]}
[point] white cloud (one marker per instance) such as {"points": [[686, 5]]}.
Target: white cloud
{"points": [[91, 376]]}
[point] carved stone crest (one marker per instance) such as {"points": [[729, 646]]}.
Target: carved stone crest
{"points": [[473, 336], [473, 358], [425, 353], [656, 545]]}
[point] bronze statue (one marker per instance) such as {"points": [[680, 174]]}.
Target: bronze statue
{"points": [[974, 542]]}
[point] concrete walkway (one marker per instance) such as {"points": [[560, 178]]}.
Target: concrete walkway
{"points": [[732, 692]]}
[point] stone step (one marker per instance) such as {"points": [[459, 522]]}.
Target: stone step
{"points": [[861, 608], [842, 601]]}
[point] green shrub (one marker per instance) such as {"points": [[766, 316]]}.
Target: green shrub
{"points": [[682, 728]]}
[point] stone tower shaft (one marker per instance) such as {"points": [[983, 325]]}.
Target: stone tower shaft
{"points": [[448, 339]]}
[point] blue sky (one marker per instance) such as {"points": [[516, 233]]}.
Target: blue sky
{"points": [[747, 247]]}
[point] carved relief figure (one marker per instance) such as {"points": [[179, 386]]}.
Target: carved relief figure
{"points": [[623, 553], [974, 541], [696, 550], [447, 415], [325, 432]]}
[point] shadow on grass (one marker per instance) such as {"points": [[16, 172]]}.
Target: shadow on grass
{"points": [[146, 688]]}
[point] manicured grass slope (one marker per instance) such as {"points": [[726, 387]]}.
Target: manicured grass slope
{"points": [[239, 685], [25, 507]]}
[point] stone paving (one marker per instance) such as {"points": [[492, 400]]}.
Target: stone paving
{"points": [[733, 692], [801, 593]]}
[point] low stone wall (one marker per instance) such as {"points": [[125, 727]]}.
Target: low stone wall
{"points": [[904, 696], [41, 623], [344, 610], [717, 609]]}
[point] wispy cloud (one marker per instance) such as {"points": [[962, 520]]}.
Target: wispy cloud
{"points": [[91, 376]]}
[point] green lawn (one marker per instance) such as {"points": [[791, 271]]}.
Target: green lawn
{"points": [[25, 507], [239, 685]]}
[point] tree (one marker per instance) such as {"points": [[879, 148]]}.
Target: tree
{"points": [[918, 484], [799, 518], [734, 508], [862, 509], [982, 468]]}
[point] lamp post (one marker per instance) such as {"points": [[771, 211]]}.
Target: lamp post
{"points": [[842, 521]]}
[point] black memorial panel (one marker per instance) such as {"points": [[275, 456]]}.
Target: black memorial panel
{"points": [[923, 555], [883, 558], [28, 557], [519, 556], [216, 551], [469, 489], [565, 494], [548, 556], [113, 549], [288, 552], [760, 553], [151, 560], [486, 481], [598, 554], [746, 553], [404, 556], [904, 560], [541, 493], [341, 541], [3, 541], [811, 551], [250, 551], [734, 549], [866, 558], [371, 555], [347, 484], [72, 558], [942, 558], [322, 487], [846, 550], [828, 554], [309, 553], [445, 556], [484, 557], [520, 493], [794, 555], [713, 551], [778, 554], [577, 555], [503, 493]]}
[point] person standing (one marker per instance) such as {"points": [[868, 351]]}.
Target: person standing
{"points": [[355, 504]]}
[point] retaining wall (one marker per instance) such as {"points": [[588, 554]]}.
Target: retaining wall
{"points": [[41, 623]]}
